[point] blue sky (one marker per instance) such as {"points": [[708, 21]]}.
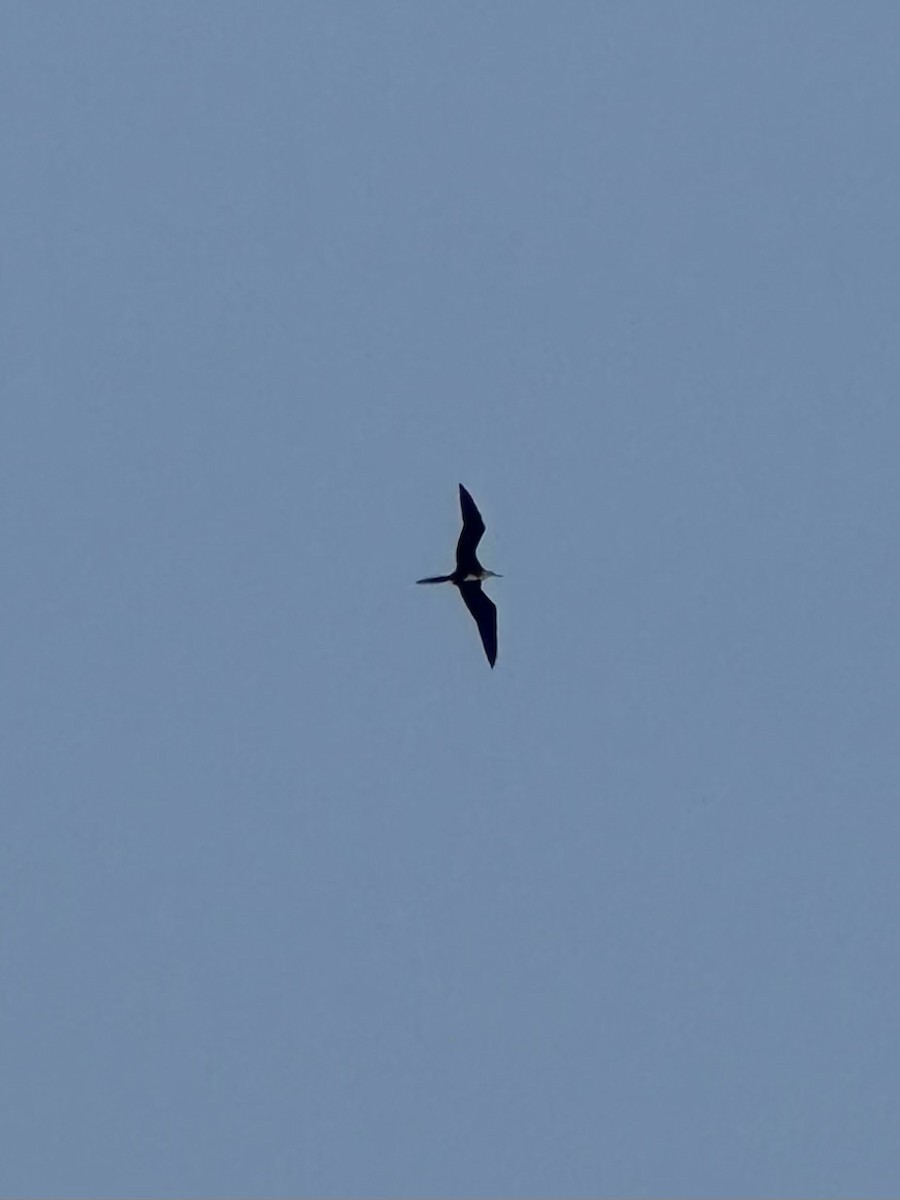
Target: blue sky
{"points": [[298, 896]]}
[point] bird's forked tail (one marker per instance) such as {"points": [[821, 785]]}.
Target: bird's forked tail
{"points": [[436, 579]]}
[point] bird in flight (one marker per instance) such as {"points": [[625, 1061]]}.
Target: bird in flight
{"points": [[469, 574]]}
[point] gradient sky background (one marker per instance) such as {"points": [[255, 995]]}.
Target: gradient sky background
{"points": [[299, 897]]}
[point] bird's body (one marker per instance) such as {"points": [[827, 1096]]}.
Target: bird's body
{"points": [[469, 575]]}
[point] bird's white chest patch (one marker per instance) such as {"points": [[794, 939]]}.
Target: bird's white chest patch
{"points": [[472, 578]]}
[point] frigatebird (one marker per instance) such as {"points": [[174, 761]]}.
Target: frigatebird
{"points": [[469, 574]]}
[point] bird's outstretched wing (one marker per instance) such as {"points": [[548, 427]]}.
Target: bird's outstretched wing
{"points": [[484, 611], [472, 530]]}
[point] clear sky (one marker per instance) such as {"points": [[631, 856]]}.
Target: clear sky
{"points": [[298, 896]]}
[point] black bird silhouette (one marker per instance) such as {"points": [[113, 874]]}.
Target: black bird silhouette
{"points": [[469, 574]]}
